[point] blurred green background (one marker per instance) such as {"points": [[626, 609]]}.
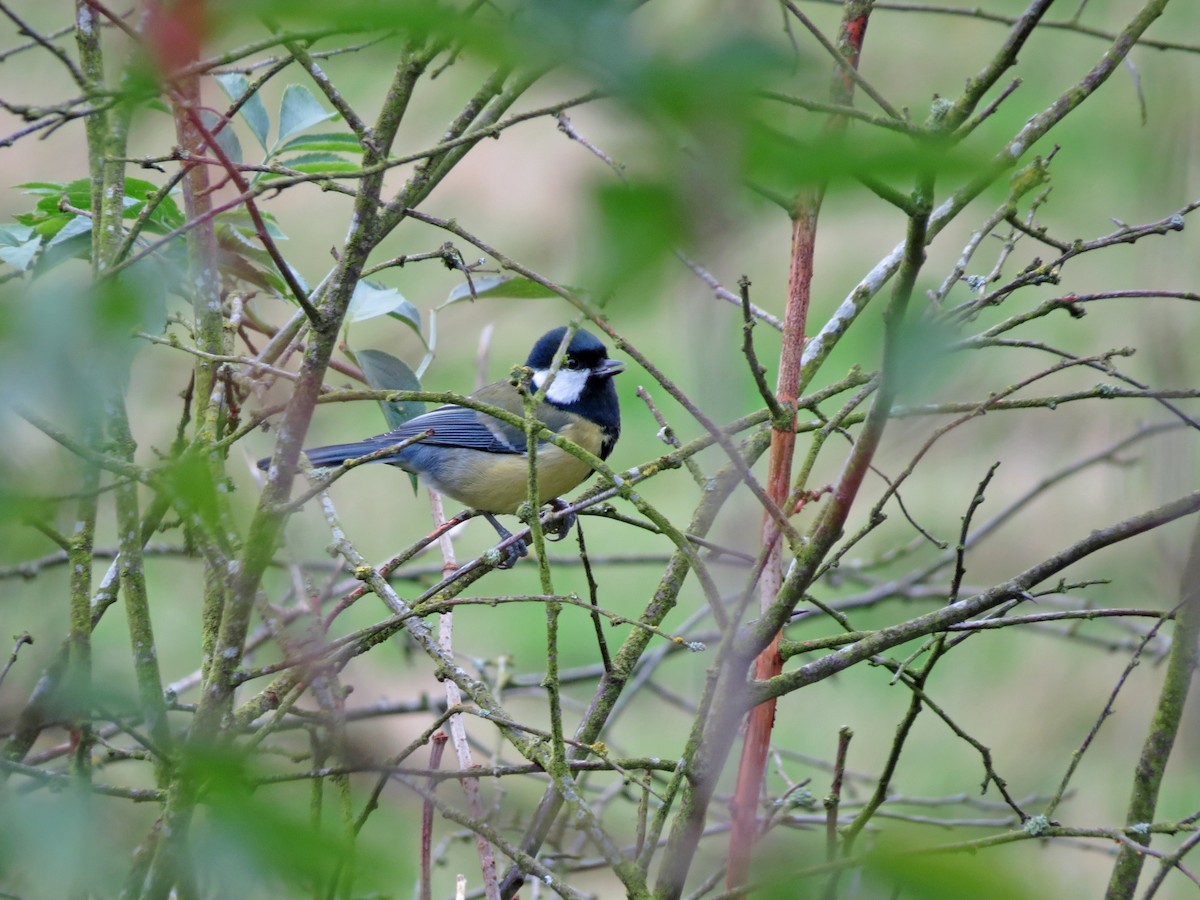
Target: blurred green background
{"points": [[543, 200]]}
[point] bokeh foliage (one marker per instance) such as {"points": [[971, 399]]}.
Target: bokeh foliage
{"points": [[573, 161]]}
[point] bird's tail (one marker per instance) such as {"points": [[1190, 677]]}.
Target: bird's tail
{"points": [[333, 455]]}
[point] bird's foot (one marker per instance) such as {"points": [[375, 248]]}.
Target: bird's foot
{"points": [[559, 528], [513, 551]]}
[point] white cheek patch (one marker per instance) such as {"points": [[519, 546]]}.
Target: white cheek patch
{"points": [[567, 386]]}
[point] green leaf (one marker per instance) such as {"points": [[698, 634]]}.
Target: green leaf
{"points": [[78, 194], [78, 225], [46, 226], [517, 287], [385, 372], [167, 215], [72, 240], [254, 111], [315, 164], [244, 257], [337, 142], [372, 300], [14, 235], [241, 220], [298, 111], [139, 189], [640, 223], [227, 139], [19, 256], [308, 162], [43, 187]]}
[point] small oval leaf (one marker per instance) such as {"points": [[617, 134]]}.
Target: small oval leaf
{"points": [[338, 142], [299, 110], [385, 372], [517, 287], [254, 111], [372, 300]]}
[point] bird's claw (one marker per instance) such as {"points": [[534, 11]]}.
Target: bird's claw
{"points": [[559, 528], [512, 553]]}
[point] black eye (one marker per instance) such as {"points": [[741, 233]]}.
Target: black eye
{"points": [[570, 363]]}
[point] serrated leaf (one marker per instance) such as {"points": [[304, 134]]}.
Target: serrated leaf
{"points": [[385, 372], [253, 111], [371, 300], [227, 139], [19, 256], [298, 111], [337, 142], [514, 286]]}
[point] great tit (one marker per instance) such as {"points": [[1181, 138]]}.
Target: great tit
{"points": [[483, 462]]}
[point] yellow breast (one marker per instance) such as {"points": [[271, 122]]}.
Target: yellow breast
{"points": [[497, 483]]}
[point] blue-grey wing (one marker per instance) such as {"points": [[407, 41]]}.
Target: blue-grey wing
{"points": [[457, 426]]}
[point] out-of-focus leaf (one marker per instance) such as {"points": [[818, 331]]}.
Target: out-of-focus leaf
{"points": [[515, 286], [71, 241], [259, 836], [417, 18], [14, 235], [372, 300], [640, 223], [336, 142], [41, 828], [299, 110], [785, 163], [385, 372], [254, 111], [19, 256], [68, 344], [942, 876], [227, 138], [194, 491], [78, 225]]}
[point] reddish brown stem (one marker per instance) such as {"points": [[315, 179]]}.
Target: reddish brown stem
{"points": [[761, 719], [435, 762]]}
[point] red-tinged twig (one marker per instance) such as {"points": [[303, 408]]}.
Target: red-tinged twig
{"points": [[769, 662], [436, 749]]}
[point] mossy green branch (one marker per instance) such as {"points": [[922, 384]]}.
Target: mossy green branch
{"points": [[1164, 727]]}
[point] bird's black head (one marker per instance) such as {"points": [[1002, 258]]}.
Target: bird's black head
{"points": [[583, 384], [585, 351]]}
